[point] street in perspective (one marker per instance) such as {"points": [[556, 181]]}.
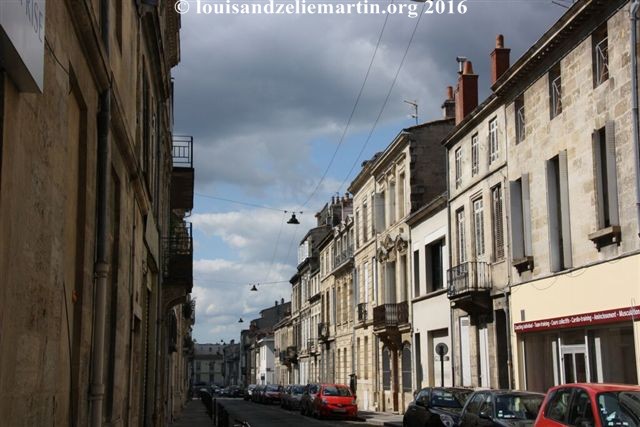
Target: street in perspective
{"points": [[254, 213]]}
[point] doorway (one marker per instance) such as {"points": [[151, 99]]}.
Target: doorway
{"points": [[574, 366]]}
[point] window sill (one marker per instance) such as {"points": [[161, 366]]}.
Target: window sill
{"points": [[606, 236], [523, 264]]}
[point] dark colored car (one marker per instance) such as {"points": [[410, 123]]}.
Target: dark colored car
{"points": [[334, 400], [249, 391], [500, 408], [291, 396], [309, 393], [436, 407], [256, 396], [591, 405], [272, 394]]}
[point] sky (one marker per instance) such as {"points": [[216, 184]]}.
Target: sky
{"points": [[268, 99]]}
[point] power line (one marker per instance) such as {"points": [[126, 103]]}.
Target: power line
{"points": [[353, 110], [239, 202], [386, 100]]}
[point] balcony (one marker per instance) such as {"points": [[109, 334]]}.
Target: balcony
{"points": [[342, 258], [178, 257], [362, 312], [182, 174], [323, 331], [389, 321], [312, 346], [291, 355], [470, 287]]}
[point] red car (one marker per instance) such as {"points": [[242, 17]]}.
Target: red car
{"points": [[591, 405], [334, 400]]}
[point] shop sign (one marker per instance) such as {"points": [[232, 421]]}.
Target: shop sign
{"points": [[580, 320], [22, 42]]}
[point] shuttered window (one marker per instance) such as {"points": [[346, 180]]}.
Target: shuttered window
{"points": [[406, 368], [497, 224], [604, 155], [462, 254], [379, 214], [458, 170], [416, 273], [478, 227], [386, 369], [558, 213], [494, 147]]}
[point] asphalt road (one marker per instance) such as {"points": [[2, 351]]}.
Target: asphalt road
{"points": [[260, 415]]}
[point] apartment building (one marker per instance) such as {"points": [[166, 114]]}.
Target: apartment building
{"points": [[207, 364], [478, 278], [574, 228], [96, 257], [430, 306], [283, 344]]}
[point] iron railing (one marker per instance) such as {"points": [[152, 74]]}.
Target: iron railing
{"points": [[390, 315], [178, 253], [468, 276], [182, 151], [323, 331], [342, 257], [602, 61]]}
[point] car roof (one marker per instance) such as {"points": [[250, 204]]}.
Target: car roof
{"points": [[514, 392], [598, 388]]}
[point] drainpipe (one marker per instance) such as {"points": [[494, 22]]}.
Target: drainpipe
{"points": [[102, 258], [452, 325], [507, 242], [635, 4]]}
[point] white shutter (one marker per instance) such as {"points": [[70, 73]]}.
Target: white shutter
{"points": [[526, 214], [612, 180], [553, 223], [564, 208], [515, 203], [378, 212], [598, 161]]}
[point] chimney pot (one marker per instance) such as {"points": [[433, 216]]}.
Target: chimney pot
{"points": [[449, 93], [468, 68], [499, 59], [466, 97], [500, 41]]}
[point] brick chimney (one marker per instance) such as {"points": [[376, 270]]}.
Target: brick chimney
{"points": [[466, 99], [449, 105], [499, 59]]}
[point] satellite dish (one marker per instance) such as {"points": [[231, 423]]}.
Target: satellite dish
{"points": [[442, 349]]}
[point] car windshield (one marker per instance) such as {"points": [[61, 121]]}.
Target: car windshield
{"points": [[619, 408], [518, 406], [336, 391], [297, 389], [273, 388], [449, 398]]}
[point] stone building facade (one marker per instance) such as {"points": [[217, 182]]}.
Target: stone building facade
{"points": [[96, 257]]}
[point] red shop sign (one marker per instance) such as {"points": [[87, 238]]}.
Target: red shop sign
{"points": [[579, 320]]}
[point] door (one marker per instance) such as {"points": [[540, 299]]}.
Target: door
{"points": [[574, 364], [483, 338], [465, 355]]}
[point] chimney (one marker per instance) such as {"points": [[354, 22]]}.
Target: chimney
{"points": [[449, 105], [499, 59], [467, 92]]}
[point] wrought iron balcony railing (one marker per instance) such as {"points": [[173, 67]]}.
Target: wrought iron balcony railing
{"points": [[178, 256], [182, 151], [467, 277], [323, 331], [342, 257], [390, 315], [182, 175], [362, 312]]}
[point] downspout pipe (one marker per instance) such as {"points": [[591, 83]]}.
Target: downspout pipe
{"points": [[452, 324], [102, 251], [635, 4]]}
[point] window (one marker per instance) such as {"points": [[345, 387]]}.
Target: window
{"points": [[475, 155], [478, 227], [496, 222], [416, 273], [462, 255], [118, 19], [473, 407], [600, 48], [434, 253], [379, 212], [494, 148], [386, 369], [558, 406], [366, 357], [401, 196], [604, 154], [558, 211], [581, 413], [458, 157], [365, 222], [520, 121], [406, 368], [555, 91], [392, 203], [358, 228]]}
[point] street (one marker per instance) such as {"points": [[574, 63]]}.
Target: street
{"points": [[259, 415]]}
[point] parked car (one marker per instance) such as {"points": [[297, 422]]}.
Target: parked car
{"points": [[257, 393], [436, 407], [500, 408], [249, 391], [309, 393], [334, 400], [235, 391], [272, 394], [291, 396], [591, 405]]}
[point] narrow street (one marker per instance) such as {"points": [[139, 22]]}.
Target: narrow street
{"points": [[259, 415]]}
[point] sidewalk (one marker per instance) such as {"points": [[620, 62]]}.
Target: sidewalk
{"points": [[381, 418], [193, 415]]}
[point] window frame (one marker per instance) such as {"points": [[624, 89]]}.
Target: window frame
{"points": [[555, 91], [520, 119], [478, 227], [458, 167], [494, 145], [475, 155]]}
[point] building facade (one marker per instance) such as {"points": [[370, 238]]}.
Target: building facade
{"points": [[94, 188]]}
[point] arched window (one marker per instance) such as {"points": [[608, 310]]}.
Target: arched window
{"points": [[406, 368], [386, 369]]}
